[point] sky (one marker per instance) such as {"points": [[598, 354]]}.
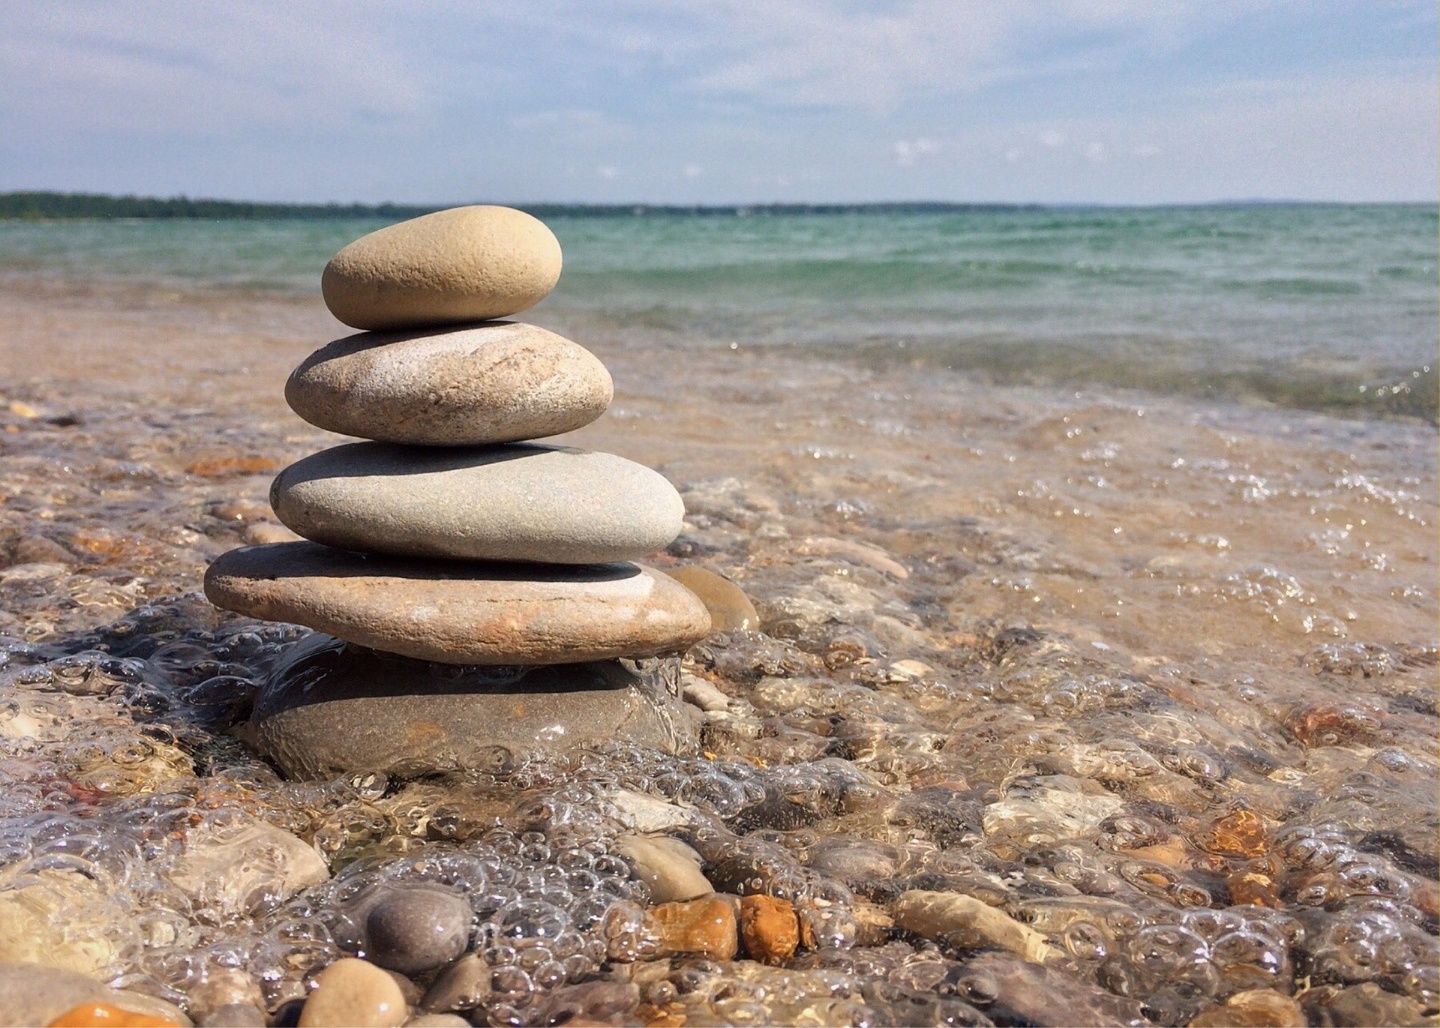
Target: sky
{"points": [[723, 101]]}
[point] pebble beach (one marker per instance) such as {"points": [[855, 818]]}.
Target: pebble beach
{"points": [[1026, 701]]}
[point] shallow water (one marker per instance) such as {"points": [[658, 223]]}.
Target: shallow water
{"points": [[1155, 678], [1318, 307]]}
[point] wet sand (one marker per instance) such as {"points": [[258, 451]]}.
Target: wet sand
{"points": [[1061, 650]]}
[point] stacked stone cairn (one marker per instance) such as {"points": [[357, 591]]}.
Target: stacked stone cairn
{"points": [[473, 592]]}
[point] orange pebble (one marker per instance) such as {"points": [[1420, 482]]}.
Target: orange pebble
{"points": [[103, 1015]]}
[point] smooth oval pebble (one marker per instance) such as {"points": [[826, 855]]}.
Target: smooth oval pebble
{"points": [[419, 929], [355, 993], [461, 613], [668, 866], [730, 609], [517, 502], [463, 264], [492, 383], [331, 708]]}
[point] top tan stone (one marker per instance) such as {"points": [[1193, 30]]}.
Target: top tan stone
{"points": [[450, 267]]}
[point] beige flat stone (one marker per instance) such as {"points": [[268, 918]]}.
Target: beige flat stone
{"points": [[491, 383], [516, 501], [464, 264], [461, 613]]}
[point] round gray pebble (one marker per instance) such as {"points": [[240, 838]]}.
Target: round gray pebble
{"points": [[416, 930]]}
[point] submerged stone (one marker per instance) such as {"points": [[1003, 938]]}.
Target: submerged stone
{"points": [[668, 866], [518, 501], [462, 613], [331, 707], [491, 383], [32, 994], [769, 928]]}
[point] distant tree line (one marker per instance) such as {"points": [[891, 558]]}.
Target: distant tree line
{"points": [[44, 206]]}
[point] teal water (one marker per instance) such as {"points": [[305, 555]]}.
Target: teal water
{"points": [[1322, 307]]}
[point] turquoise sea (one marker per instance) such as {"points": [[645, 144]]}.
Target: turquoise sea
{"points": [[1323, 307]]}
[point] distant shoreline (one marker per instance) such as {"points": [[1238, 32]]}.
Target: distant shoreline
{"points": [[55, 206]]}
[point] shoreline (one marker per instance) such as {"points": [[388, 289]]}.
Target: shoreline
{"points": [[285, 317]]}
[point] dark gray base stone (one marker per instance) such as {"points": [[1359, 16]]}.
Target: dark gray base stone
{"points": [[332, 707]]}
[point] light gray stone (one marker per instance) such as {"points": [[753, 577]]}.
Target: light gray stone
{"points": [[462, 613], [491, 383], [227, 989], [235, 870], [645, 814], [331, 708], [517, 501], [668, 866], [234, 1015], [417, 929], [464, 264]]}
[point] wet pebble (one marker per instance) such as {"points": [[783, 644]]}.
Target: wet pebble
{"points": [[416, 930], [854, 551], [354, 993], [59, 919], [704, 927], [596, 1002], [1360, 1006], [464, 985], [235, 1015], [87, 1015], [1011, 990], [31, 994], [853, 860], [235, 869], [703, 694], [330, 707], [669, 867], [730, 609], [1260, 1007], [769, 928], [947, 915], [222, 988]]}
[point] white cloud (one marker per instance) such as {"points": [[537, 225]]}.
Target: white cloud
{"points": [[818, 53], [608, 172], [907, 151]]}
